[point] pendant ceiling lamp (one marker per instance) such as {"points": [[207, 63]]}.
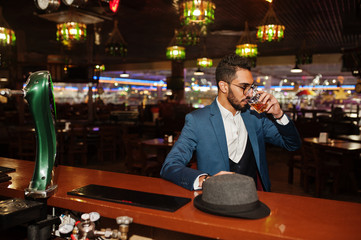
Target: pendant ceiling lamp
{"points": [[296, 69], [7, 35], [116, 45], [270, 28], [175, 51], [245, 46], [304, 56], [72, 30], [124, 74], [199, 72], [196, 11], [204, 61], [190, 34]]}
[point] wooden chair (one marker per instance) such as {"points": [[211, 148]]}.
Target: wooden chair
{"points": [[26, 145], [107, 143], [321, 165], [77, 147], [138, 162], [60, 147], [295, 161], [331, 163], [12, 142]]}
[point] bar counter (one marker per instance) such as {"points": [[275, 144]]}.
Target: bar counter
{"points": [[292, 217]]}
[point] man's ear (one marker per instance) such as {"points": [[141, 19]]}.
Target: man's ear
{"points": [[223, 86]]}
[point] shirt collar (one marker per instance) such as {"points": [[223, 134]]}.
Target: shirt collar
{"points": [[225, 112]]}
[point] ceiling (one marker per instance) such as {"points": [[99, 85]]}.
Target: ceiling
{"points": [[323, 26]]}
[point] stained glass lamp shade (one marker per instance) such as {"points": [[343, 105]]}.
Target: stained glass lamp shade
{"points": [[204, 62], [176, 53], [245, 46], [7, 35], [116, 45], [270, 28], [174, 50], [71, 32], [190, 34], [197, 11]]}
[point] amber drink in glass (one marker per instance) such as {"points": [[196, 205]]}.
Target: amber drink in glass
{"points": [[255, 103]]}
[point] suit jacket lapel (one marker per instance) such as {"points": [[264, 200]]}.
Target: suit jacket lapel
{"points": [[218, 128]]}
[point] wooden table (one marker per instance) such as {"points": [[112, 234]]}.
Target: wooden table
{"points": [[158, 142], [292, 217], [338, 144], [313, 112], [350, 138], [162, 148], [350, 152]]}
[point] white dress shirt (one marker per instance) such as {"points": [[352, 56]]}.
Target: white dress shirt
{"points": [[236, 133]]}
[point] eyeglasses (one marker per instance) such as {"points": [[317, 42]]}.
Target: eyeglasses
{"points": [[246, 87]]}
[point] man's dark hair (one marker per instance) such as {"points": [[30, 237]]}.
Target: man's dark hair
{"points": [[229, 65]]}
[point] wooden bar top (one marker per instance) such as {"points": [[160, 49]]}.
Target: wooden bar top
{"points": [[292, 217]]}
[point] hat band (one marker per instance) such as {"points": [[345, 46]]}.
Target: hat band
{"points": [[238, 208]]}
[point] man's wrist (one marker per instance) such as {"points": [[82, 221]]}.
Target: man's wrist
{"points": [[202, 179], [279, 116]]}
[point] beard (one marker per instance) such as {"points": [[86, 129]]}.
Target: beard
{"points": [[236, 104]]}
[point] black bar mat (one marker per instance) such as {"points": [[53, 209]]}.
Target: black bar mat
{"points": [[6, 169], [131, 197]]}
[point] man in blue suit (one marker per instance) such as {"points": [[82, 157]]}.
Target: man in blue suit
{"points": [[229, 136]]}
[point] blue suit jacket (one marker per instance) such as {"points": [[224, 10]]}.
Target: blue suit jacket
{"points": [[204, 133]]}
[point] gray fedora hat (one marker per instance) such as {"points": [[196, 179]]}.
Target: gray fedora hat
{"points": [[232, 195]]}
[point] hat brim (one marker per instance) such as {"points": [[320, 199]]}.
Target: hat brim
{"points": [[260, 211]]}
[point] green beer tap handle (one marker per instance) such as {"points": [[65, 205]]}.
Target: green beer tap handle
{"points": [[38, 92]]}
